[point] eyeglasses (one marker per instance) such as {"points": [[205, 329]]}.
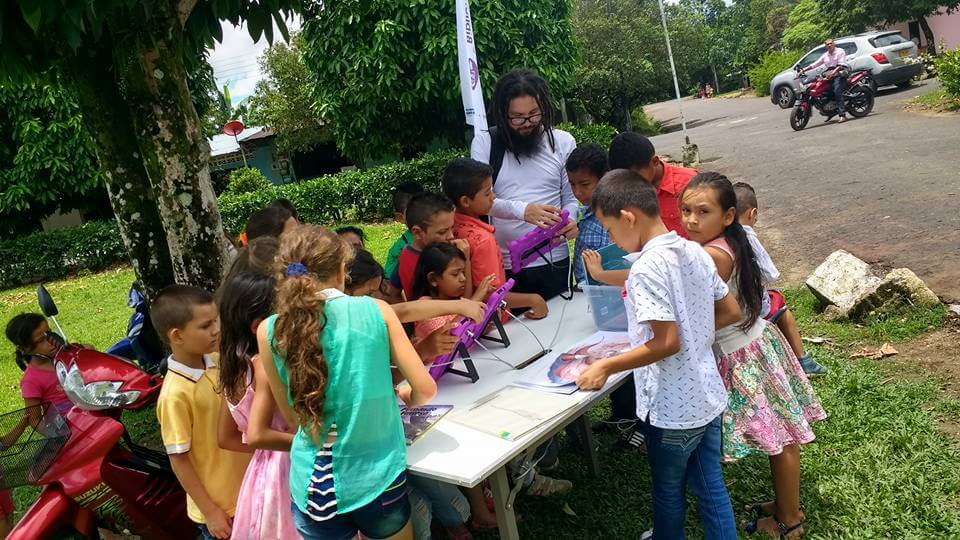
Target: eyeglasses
{"points": [[518, 121]]}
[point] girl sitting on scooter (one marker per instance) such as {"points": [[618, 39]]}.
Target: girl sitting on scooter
{"points": [[28, 333]]}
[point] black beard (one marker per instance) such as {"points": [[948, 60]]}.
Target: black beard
{"points": [[526, 145]]}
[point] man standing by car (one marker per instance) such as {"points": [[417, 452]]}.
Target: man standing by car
{"points": [[831, 60], [528, 156]]}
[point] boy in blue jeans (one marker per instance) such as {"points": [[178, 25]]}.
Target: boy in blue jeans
{"points": [[675, 301]]}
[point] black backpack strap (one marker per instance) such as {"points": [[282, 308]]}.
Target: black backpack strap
{"points": [[497, 151]]}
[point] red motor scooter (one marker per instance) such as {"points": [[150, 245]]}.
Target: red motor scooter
{"points": [[858, 98], [89, 478]]}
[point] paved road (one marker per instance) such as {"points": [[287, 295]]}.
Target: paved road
{"points": [[885, 187]]}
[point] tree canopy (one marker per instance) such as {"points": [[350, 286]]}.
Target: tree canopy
{"points": [[46, 156], [283, 100], [386, 74], [806, 26], [858, 15], [129, 63]]}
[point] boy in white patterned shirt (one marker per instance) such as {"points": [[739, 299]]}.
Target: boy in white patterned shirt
{"points": [[675, 301]]}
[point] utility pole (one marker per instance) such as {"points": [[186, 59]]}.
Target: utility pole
{"points": [[691, 153]]}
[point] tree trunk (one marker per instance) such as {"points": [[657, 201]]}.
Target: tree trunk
{"points": [[108, 120], [928, 34], [174, 151], [627, 115], [716, 81]]}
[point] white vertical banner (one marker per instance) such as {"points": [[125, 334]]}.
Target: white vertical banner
{"points": [[470, 91]]}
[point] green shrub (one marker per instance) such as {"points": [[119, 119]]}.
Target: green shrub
{"points": [[51, 255], [601, 134], [363, 195], [948, 71], [643, 124], [247, 180], [773, 62]]}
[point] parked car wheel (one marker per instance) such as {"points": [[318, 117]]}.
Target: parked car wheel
{"points": [[785, 97]]}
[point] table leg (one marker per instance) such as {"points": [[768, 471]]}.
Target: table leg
{"points": [[506, 518], [589, 445]]}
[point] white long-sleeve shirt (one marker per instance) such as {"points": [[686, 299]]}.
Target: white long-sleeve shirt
{"points": [[540, 178]]}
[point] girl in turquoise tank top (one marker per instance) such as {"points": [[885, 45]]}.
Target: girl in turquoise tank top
{"points": [[331, 376]]}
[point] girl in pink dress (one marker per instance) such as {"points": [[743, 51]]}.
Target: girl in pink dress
{"points": [[771, 404], [249, 419]]}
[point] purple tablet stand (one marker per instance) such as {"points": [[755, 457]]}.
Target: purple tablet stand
{"points": [[528, 247], [468, 332]]}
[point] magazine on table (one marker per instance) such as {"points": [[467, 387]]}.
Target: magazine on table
{"points": [[559, 375], [418, 420]]}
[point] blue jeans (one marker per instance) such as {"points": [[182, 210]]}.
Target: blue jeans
{"points": [[839, 87], [435, 499], [383, 517], [204, 532], [690, 457]]}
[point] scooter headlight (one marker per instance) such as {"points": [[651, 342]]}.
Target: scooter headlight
{"points": [[93, 396]]}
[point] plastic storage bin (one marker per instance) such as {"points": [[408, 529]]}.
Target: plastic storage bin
{"points": [[611, 258], [606, 305]]}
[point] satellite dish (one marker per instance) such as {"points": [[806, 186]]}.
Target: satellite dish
{"points": [[233, 128]]}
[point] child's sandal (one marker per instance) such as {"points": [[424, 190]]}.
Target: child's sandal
{"points": [[757, 510], [753, 526]]}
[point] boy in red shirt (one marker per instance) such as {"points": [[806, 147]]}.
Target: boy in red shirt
{"points": [[430, 220], [469, 184], [630, 150]]}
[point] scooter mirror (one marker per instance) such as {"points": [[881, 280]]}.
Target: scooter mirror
{"points": [[47, 305]]}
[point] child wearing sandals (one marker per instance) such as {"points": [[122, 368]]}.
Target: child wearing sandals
{"points": [[771, 403]]}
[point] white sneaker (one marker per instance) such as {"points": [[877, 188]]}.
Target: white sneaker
{"points": [[647, 534]]}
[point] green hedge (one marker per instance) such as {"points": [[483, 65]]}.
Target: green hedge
{"points": [[246, 180], [355, 196], [601, 134], [948, 71], [773, 62], [643, 123], [51, 255], [362, 195]]}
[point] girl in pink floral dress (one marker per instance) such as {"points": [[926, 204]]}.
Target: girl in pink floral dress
{"points": [[248, 418], [770, 404]]}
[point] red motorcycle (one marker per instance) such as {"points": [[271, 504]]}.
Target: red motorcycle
{"points": [[858, 97], [89, 477]]}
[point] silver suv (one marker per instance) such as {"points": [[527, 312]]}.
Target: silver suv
{"points": [[884, 54]]}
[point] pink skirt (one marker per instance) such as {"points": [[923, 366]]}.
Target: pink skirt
{"points": [[263, 507], [770, 403]]}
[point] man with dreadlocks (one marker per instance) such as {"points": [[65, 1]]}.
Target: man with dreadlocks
{"points": [[528, 155]]}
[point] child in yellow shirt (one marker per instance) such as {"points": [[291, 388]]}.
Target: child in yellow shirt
{"points": [[188, 408]]}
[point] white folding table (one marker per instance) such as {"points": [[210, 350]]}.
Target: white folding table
{"points": [[454, 453]]}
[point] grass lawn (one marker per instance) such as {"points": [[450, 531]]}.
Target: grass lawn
{"points": [[879, 469], [936, 101]]}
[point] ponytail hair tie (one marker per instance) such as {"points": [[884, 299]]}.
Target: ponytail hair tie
{"points": [[296, 269]]}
